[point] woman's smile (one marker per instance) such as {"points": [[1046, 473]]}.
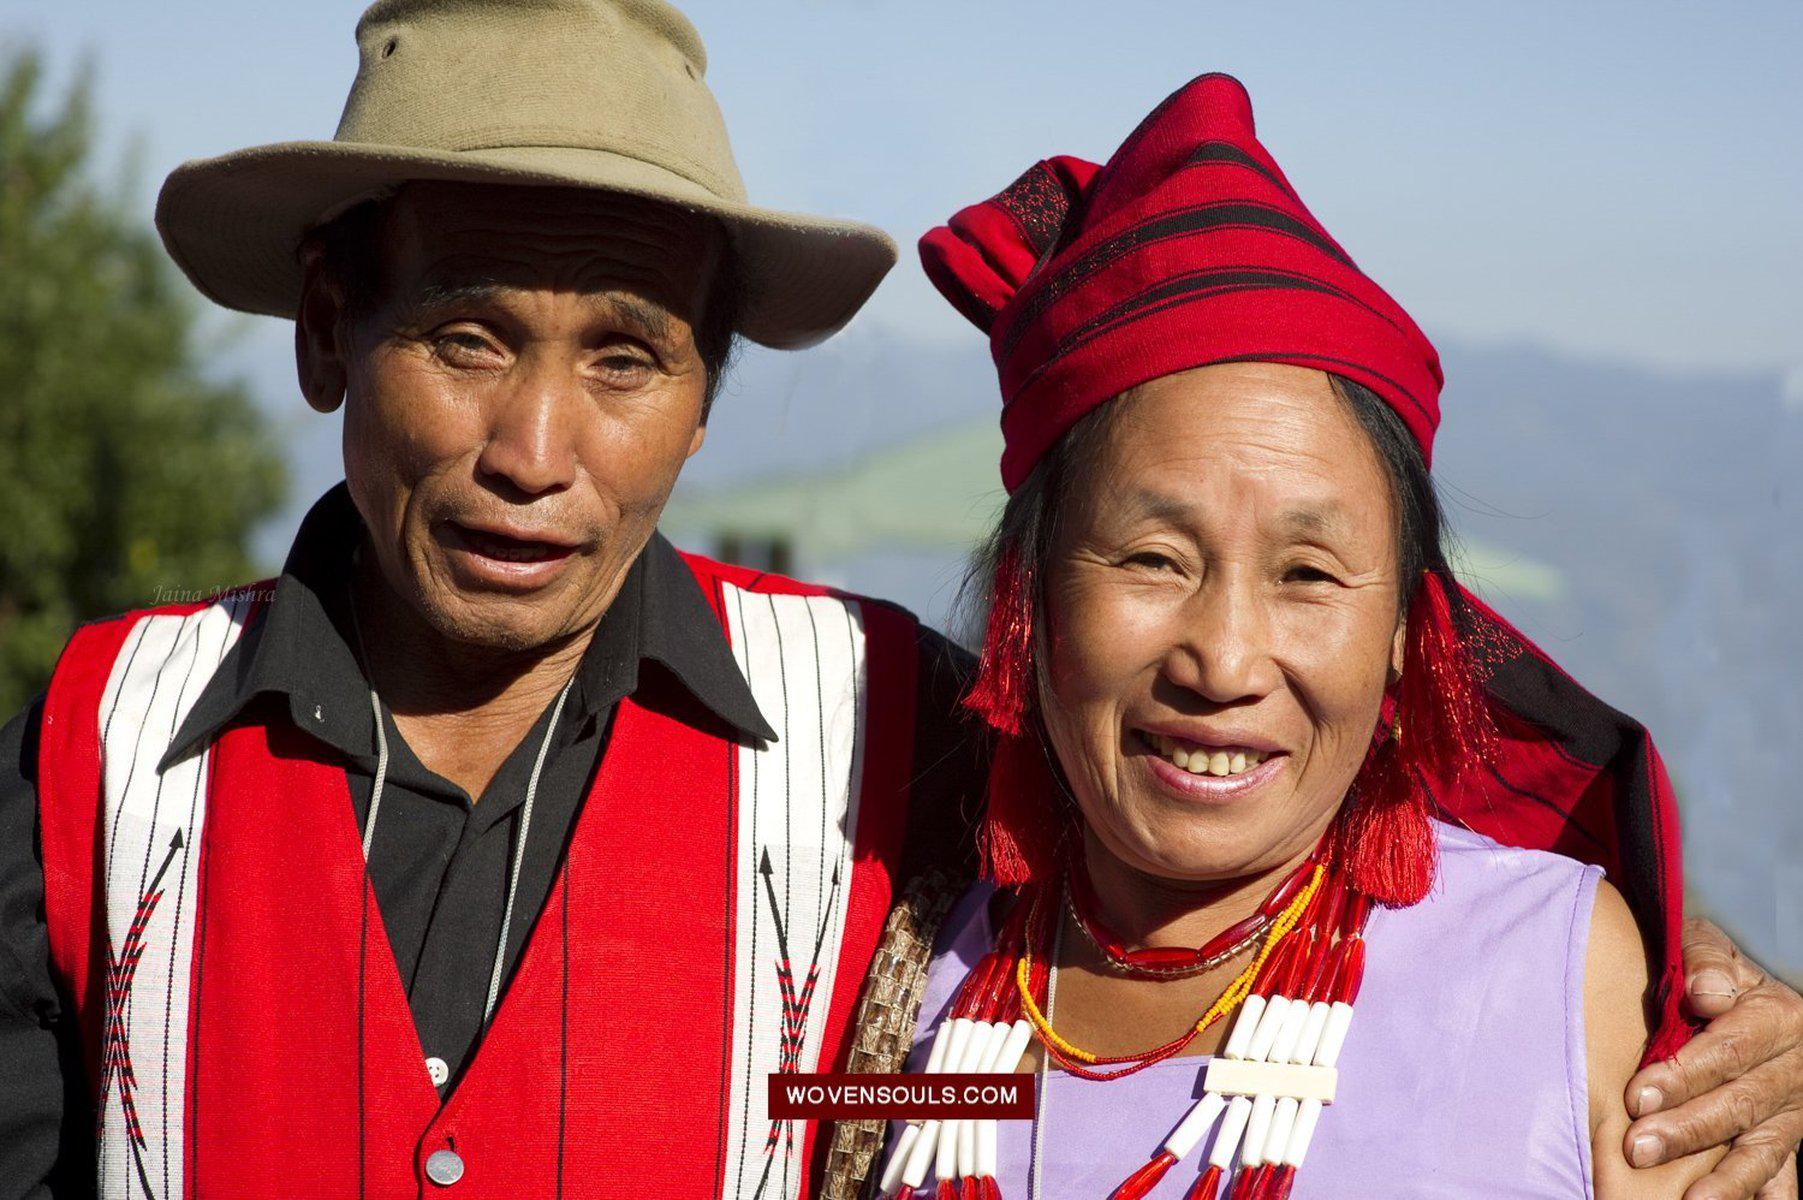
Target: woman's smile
{"points": [[1210, 773]]}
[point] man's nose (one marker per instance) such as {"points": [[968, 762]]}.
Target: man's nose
{"points": [[1222, 650], [533, 428]]}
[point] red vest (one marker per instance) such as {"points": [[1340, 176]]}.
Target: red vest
{"points": [[712, 922]]}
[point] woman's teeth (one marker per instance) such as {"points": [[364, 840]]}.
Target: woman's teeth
{"points": [[1206, 760]]}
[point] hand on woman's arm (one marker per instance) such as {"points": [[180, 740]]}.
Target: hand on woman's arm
{"points": [[1616, 975], [1739, 1080]]}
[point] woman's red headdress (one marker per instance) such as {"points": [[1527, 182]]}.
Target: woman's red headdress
{"points": [[1190, 247]]}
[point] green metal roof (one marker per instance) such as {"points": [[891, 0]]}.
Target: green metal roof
{"points": [[939, 493]]}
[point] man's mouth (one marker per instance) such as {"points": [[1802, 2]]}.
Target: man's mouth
{"points": [[504, 547], [1198, 759]]}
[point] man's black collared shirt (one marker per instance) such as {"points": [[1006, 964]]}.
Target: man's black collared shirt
{"points": [[439, 858]]}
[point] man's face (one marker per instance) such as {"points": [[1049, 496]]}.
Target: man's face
{"points": [[519, 400]]}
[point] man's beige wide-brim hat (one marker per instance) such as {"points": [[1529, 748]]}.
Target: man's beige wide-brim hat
{"points": [[605, 94]]}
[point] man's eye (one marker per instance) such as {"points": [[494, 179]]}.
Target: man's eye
{"points": [[461, 346], [1152, 560], [623, 368], [1308, 574]]}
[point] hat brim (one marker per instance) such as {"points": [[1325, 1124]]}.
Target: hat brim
{"points": [[234, 225]]}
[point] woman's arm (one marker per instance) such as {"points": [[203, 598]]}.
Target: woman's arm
{"points": [[1616, 976]]}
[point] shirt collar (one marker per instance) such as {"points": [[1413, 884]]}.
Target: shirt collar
{"points": [[297, 650]]}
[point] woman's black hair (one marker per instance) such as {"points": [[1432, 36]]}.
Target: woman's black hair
{"points": [[1422, 532], [1026, 532]]}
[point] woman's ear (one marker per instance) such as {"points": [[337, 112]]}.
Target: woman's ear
{"points": [[319, 359], [1398, 647]]}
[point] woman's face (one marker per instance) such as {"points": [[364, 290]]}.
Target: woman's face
{"points": [[1223, 607]]}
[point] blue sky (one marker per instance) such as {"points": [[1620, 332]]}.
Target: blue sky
{"points": [[1620, 180]]}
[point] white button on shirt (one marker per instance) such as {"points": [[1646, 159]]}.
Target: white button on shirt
{"points": [[444, 1167]]}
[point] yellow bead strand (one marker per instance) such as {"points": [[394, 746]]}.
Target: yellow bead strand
{"points": [[1235, 992]]}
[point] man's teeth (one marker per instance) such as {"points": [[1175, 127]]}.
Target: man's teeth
{"points": [[510, 549], [517, 552], [1207, 760]]}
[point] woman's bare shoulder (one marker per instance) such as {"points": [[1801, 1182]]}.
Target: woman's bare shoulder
{"points": [[1616, 977]]}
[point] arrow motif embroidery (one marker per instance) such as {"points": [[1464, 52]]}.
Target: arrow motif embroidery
{"points": [[115, 1060], [795, 1004]]}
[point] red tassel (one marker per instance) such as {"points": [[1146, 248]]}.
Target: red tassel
{"points": [[1023, 820], [946, 1190], [1005, 674], [1443, 728], [1206, 1185], [1446, 717], [1389, 842], [1146, 1178]]}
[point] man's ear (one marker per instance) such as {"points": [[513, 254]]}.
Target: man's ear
{"points": [[695, 441], [318, 358]]}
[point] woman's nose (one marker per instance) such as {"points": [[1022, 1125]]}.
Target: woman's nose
{"points": [[1221, 650], [532, 434]]}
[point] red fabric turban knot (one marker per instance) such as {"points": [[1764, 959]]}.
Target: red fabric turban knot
{"points": [[1189, 247]]}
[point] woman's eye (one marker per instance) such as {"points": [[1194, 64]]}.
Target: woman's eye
{"points": [[1152, 560], [1305, 574]]}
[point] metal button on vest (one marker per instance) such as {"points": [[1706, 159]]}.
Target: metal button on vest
{"points": [[437, 1071], [444, 1167]]}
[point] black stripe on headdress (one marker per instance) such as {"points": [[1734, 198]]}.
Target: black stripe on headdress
{"points": [[1206, 218], [1184, 289], [1227, 152]]}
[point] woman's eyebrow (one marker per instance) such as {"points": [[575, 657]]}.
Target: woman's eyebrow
{"points": [[1322, 518], [1161, 506], [1315, 519]]}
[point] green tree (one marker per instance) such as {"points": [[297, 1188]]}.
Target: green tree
{"points": [[126, 477]]}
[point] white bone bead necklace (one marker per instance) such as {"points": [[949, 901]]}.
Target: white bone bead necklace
{"points": [[1291, 1006]]}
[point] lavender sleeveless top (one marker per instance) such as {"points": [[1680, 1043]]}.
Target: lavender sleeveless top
{"points": [[1463, 1075]]}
